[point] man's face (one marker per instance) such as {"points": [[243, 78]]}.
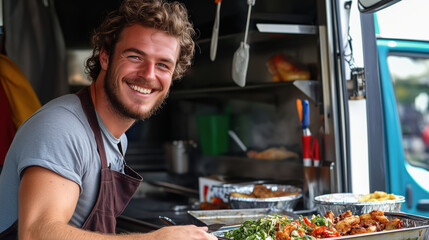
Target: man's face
{"points": [[140, 71]]}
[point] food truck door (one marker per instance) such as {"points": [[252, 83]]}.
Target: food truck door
{"points": [[404, 76]]}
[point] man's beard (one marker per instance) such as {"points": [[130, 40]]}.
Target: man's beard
{"points": [[111, 88]]}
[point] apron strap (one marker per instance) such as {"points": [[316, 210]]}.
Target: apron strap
{"points": [[87, 105], [11, 233], [120, 148]]}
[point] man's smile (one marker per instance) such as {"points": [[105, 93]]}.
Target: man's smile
{"points": [[140, 89]]}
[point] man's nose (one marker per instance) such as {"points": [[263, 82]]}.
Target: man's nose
{"points": [[147, 71]]}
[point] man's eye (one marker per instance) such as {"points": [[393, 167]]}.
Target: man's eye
{"points": [[134, 57], [163, 65]]}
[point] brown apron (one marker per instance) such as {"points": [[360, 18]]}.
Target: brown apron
{"points": [[116, 189], [10, 233]]}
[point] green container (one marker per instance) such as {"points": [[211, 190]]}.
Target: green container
{"points": [[213, 131]]}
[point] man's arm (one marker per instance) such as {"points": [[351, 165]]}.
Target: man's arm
{"points": [[46, 202]]}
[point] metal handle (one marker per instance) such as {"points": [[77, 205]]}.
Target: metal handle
{"points": [[248, 21], [237, 140], [167, 220], [423, 205], [215, 33], [409, 195]]}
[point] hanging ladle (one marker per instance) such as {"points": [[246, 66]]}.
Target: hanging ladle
{"points": [[240, 60]]}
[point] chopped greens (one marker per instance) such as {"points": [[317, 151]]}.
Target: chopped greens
{"points": [[264, 228], [321, 221], [274, 227]]}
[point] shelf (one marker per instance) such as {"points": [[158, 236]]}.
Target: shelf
{"points": [[285, 170], [259, 34], [286, 28], [308, 87]]}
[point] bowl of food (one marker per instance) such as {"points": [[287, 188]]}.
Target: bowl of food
{"points": [[358, 203], [283, 197]]}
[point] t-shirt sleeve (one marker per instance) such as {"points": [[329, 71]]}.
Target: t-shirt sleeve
{"points": [[56, 140]]}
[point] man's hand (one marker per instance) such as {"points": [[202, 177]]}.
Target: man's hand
{"points": [[187, 232]]}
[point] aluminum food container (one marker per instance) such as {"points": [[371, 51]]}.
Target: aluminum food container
{"points": [[286, 203], [234, 217], [414, 227], [340, 202]]}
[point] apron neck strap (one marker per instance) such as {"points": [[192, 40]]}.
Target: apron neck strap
{"points": [[88, 107]]}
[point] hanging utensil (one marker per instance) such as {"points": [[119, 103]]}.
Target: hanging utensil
{"points": [[299, 108], [237, 140], [305, 114], [215, 33], [306, 134], [315, 152], [240, 60]]}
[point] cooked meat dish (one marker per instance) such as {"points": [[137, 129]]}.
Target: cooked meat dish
{"points": [[261, 191]]}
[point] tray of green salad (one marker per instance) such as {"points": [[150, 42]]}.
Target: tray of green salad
{"points": [[278, 227]]}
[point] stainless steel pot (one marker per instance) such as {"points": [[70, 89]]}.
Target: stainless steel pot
{"points": [[177, 153]]}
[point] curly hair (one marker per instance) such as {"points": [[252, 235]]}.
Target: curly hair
{"points": [[170, 17]]}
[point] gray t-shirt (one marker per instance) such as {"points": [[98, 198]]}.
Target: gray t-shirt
{"points": [[58, 137]]}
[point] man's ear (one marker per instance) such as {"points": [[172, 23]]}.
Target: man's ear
{"points": [[104, 59]]}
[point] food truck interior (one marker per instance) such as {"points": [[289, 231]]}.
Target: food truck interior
{"points": [[263, 114], [298, 82]]}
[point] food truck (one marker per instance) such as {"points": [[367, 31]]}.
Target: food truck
{"points": [[303, 111]]}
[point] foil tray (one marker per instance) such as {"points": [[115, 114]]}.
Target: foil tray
{"points": [[234, 217], [287, 203], [340, 202], [414, 227]]}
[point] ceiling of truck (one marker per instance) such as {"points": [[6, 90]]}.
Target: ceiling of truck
{"points": [[78, 18]]}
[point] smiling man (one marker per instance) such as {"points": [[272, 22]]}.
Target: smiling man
{"points": [[136, 77], [144, 71], [64, 175]]}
